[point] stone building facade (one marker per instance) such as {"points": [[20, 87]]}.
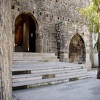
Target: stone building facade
{"points": [[54, 28], [51, 26]]}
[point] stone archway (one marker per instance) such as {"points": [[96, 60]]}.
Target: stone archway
{"points": [[25, 33], [77, 52]]}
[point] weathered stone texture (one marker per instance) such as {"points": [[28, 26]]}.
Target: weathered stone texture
{"points": [[5, 49], [48, 13]]}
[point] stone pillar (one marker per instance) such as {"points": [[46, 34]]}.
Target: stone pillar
{"points": [[88, 63], [6, 49]]}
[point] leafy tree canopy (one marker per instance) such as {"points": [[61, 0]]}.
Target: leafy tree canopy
{"points": [[92, 14]]}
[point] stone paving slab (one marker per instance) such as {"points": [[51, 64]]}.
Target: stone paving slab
{"points": [[46, 65], [34, 74], [87, 89]]}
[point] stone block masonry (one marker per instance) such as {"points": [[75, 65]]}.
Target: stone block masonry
{"points": [[48, 13], [5, 50]]}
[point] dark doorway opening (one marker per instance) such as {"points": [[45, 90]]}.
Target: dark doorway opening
{"points": [[25, 33], [32, 36]]}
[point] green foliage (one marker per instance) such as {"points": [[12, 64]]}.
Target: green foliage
{"points": [[92, 14], [96, 3]]}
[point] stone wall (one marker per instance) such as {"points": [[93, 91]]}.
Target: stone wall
{"points": [[49, 13], [5, 49]]}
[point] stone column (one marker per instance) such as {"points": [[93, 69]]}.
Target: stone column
{"points": [[88, 63], [6, 48]]}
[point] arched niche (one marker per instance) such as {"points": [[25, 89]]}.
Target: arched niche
{"points": [[77, 51]]}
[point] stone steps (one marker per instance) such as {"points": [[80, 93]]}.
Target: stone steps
{"points": [[20, 57], [33, 61], [43, 82], [46, 65], [34, 74], [45, 68], [42, 74]]}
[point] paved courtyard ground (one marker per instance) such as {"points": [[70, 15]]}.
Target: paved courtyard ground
{"points": [[87, 89]]}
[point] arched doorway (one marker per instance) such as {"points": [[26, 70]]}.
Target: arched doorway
{"points": [[77, 52], [25, 33]]}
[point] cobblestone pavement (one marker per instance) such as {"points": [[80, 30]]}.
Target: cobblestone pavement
{"points": [[87, 89]]}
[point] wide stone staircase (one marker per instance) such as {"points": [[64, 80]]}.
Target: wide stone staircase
{"points": [[40, 69], [21, 57]]}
